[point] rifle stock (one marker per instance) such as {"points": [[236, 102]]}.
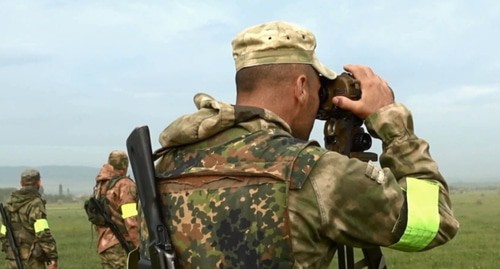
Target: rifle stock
{"points": [[10, 236], [162, 254]]}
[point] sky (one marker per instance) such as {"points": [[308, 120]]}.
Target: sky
{"points": [[76, 77]]}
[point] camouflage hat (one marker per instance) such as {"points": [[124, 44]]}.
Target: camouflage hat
{"points": [[30, 176], [118, 159], [277, 43]]}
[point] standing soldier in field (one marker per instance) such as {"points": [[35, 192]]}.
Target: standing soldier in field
{"points": [[119, 196], [28, 217], [242, 186]]}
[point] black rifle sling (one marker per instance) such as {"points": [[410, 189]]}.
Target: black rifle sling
{"points": [[107, 217]]}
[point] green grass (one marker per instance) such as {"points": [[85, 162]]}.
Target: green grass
{"points": [[476, 246], [76, 240]]}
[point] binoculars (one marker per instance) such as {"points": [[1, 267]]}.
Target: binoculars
{"points": [[343, 131], [344, 85]]}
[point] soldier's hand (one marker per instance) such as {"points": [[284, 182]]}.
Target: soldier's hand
{"points": [[52, 265], [375, 92]]}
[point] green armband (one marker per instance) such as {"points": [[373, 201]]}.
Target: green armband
{"points": [[423, 215]]}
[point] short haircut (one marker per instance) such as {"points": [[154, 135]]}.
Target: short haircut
{"points": [[249, 78]]}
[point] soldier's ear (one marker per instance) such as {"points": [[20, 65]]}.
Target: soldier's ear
{"points": [[300, 91]]}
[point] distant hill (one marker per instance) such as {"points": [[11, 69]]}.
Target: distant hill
{"points": [[77, 179], [80, 180]]}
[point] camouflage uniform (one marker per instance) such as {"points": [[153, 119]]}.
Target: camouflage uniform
{"points": [[122, 204], [209, 156], [29, 221], [239, 191]]}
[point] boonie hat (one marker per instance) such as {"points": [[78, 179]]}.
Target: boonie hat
{"points": [[118, 159], [276, 43], [30, 176]]}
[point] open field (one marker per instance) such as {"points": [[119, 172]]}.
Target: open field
{"points": [[76, 240], [476, 246]]}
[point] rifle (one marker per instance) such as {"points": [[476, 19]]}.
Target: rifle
{"points": [[161, 251], [10, 236], [343, 133], [108, 222]]}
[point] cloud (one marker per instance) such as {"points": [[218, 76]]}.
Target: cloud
{"points": [[19, 58], [460, 124], [484, 92], [79, 75], [467, 98]]}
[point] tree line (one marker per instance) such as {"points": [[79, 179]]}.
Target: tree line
{"points": [[61, 197]]}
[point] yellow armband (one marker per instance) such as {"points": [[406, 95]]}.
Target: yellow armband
{"points": [[3, 230], [423, 215], [40, 225], [129, 210]]}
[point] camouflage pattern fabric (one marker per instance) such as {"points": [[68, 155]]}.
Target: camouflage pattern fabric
{"points": [[122, 192], [143, 235], [339, 200], [250, 235], [114, 257], [31, 264], [118, 159], [253, 230], [277, 43], [25, 206], [29, 177]]}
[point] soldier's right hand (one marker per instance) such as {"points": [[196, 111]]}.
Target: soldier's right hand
{"points": [[375, 92], [52, 264]]}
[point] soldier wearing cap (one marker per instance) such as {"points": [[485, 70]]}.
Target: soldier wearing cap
{"points": [[28, 217], [119, 191], [243, 187]]}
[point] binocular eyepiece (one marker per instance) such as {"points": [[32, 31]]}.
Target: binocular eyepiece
{"points": [[343, 85]]}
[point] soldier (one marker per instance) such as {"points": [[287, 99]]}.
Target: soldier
{"points": [[242, 187], [120, 195], [28, 217]]}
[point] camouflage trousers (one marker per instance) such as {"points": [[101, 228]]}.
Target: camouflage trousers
{"points": [[114, 257], [31, 263]]}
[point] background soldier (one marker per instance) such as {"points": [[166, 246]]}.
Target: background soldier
{"points": [[243, 187], [28, 217], [120, 196]]}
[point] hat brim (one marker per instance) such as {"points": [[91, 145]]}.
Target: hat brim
{"points": [[323, 70]]}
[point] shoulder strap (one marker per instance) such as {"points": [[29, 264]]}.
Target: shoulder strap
{"points": [[112, 182]]}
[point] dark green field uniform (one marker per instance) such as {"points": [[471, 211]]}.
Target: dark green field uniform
{"points": [[31, 229]]}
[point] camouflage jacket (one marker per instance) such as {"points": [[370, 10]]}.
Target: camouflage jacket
{"points": [[339, 200], [25, 207], [122, 192]]}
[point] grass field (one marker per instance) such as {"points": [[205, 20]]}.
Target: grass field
{"points": [[476, 246], [76, 240]]}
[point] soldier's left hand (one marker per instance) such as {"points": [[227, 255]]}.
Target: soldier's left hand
{"points": [[376, 93]]}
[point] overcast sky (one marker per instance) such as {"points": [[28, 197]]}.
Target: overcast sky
{"points": [[77, 76]]}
